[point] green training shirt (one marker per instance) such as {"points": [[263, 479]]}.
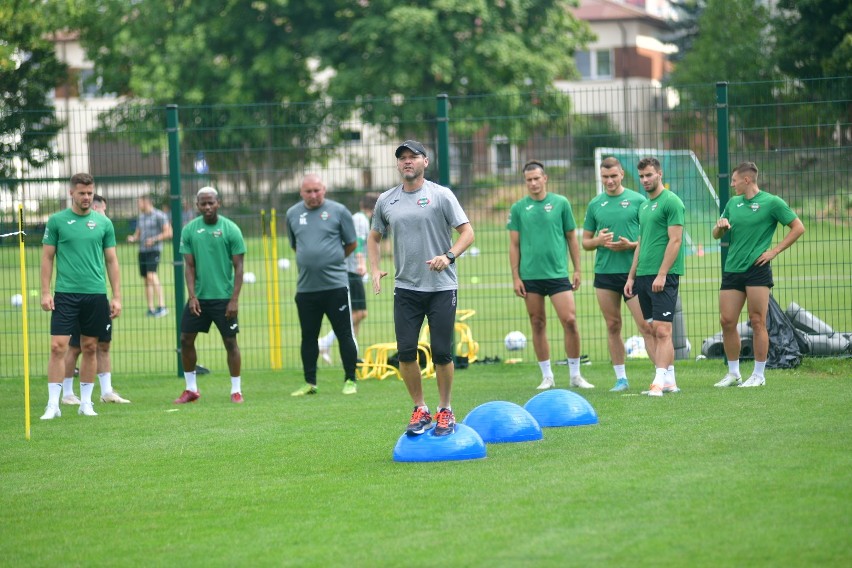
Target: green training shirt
{"points": [[541, 226], [213, 247], [80, 241], [655, 218], [619, 214], [753, 223]]}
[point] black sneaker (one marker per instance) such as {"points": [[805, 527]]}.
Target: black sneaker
{"points": [[445, 422], [420, 421]]}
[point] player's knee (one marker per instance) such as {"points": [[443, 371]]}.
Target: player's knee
{"points": [[538, 323], [408, 355], [613, 326], [442, 357]]}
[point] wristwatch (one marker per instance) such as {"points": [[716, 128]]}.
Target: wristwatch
{"points": [[452, 258]]}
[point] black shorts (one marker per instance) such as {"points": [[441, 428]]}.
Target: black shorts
{"points": [[80, 314], [548, 286], [754, 276], [409, 310], [105, 338], [658, 306], [212, 311], [357, 296], [614, 282], [148, 262]]}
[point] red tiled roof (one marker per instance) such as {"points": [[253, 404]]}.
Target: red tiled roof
{"points": [[610, 10]]}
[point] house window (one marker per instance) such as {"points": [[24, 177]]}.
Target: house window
{"points": [[594, 64], [91, 86], [502, 154]]}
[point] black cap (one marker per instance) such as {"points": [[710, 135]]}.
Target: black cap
{"points": [[412, 145]]}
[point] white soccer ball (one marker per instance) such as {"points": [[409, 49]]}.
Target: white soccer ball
{"points": [[17, 300], [283, 263], [473, 251], [515, 341], [249, 277]]}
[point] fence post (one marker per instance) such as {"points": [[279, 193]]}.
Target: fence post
{"points": [[443, 119], [172, 130], [722, 157]]}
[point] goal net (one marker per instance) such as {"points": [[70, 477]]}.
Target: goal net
{"points": [[682, 174]]}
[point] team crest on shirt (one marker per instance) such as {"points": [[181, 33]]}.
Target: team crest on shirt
{"points": [[755, 207], [217, 233], [423, 201], [324, 215], [625, 204], [91, 224], [654, 206], [548, 208]]}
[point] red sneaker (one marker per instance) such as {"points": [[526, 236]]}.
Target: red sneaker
{"points": [[187, 396], [237, 398]]}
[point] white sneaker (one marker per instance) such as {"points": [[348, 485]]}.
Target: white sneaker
{"points": [[654, 390], [51, 412], [325, 353], [581, 383], [754, 381], [86, 409], [729, 380], [114, 397], [670, 387], [71, 399], [546, 383]]}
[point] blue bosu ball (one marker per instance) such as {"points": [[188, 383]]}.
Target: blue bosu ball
{"points": [[500, 421], [559, 407], [463, 444]]}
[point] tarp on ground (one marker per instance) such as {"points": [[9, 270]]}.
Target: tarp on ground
{"points": [[786, 343]]}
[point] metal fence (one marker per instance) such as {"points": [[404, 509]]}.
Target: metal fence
{"points": [[799, 134]]}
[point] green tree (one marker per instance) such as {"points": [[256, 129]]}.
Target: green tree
{"points": [[684, 29], [734, 43], [29, 71], [390, 58], [241, 72], [814, 38]]}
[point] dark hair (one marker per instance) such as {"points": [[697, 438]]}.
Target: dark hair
{"points": [[82, 179], [747, 168], [98, 198], [611, 162], [368, 201], [533, 165], [649, 161]]}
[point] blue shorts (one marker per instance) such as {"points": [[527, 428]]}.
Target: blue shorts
{"points": [[614, 282]]}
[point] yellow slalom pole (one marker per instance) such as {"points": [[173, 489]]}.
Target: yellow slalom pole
{"points": [[270, 322], [279, 360], [25, 321]]}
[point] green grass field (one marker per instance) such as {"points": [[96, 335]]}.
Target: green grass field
{"points": [[707, 477]]}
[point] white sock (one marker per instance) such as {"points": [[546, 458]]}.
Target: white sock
{"points": [[191, 385], [660, 377], [670, 375], [573, 367], [734, 367], [54, 391], [106, 383], [68, 386], [235, 385], [326, 341], [759, 368], [86, 392], [546, 371], [620, 371]]}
